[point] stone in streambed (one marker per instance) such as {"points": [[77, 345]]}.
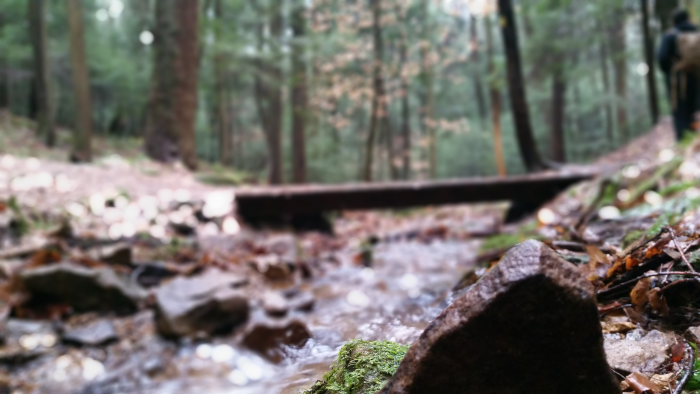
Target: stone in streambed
{"points": [[530, 325], [85, 289], [207, 304]]}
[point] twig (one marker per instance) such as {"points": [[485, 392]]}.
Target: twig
{"points": [[651, 275], [689, 373], [678, 247]]}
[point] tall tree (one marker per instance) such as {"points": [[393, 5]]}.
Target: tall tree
{"points": [[663, 10], [428, 106], [223, 117], [405, 98], [477, 74], [268, 90], [495, 95], [4, 97], [162, 139], [379, 115], [516, 85], [558, 114], [605, 75], [651, 62], [619, 48], [42, 76], [187, 69], [299, 94], [82, 134]]}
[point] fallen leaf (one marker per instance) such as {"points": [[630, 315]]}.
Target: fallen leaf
{"points": [[678, 352], [631, 262], [658, 302], [596, 256], [642, 385], [663, 381], [640, 293], [618, 327]]}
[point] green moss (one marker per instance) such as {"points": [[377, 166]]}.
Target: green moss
{"points": [[632, 237], [500, 241], [362, 367]]}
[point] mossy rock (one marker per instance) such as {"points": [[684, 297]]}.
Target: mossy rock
{"points": [[362, 367]]}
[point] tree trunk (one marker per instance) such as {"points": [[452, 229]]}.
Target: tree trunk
{"points": [[274, 99], [299, 95], [620, 69], [495, 96], [428, 97], [42, 76], [516, 85], [606, 86], [649, 57], [187, 66], [82, 135], [558, 120], [379, 107], [161, 135], [223, 123], [475, 56], [4, 96], [405, 107]]}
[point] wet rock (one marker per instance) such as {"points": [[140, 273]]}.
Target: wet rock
{"points": [[275, 304], [645, 354], [362, 367], [530, 325], [152, 274], [301, 301], [84, 289], [269, 339], [209, 304], [97, 333], [273, 267], [119, 254], [693, 334], [283, 245]]}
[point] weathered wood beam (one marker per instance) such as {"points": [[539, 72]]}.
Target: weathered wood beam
{"points": [[533, 189]]}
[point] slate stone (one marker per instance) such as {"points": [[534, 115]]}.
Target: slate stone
{"points": [[97, 333], [639, 354], [210, 303], [85, 289], [530, 325], [270, 339]]}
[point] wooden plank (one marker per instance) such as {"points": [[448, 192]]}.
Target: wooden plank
{"points": [[536, 188]]}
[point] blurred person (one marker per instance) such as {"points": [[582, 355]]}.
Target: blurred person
{"points": [[679, 57]]}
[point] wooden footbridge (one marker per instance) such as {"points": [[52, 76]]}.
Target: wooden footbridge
{"points": [[312, 199]]}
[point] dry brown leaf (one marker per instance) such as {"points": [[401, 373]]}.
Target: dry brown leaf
{"points": [[663, 381], [642, 385], [631, 262], [618, 327], [640, 293], [596, 256], [658, 302]]}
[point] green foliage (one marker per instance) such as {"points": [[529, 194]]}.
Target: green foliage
{"points": [[632, 237], [694, 381], [362, 367]]}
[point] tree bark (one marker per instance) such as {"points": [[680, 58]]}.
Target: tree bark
{"points": [[379, 115], [429, 96], [42, 76], [649, 57], [475, 55], [82, 134], [518, 99], [558, 120], [299, 95], [663, 10], [606, 86], [405, 106], [161, 135], [187, 16], [223, 123], [4, 96], [495, 96], [620, 69]]}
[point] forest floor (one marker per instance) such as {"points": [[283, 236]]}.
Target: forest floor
{"points": [[299, 296]]}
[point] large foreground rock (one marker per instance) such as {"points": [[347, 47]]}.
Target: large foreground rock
{"points": [[206, 304], [530, 325], [85, 289]]}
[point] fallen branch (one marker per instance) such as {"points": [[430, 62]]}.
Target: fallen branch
{"points": [[650, 275], [678, 247], [689, 370]]}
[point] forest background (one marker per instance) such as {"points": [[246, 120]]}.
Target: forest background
{"points": [[294, 91]]}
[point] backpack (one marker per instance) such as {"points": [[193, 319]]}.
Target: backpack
{"points": [[688, 52]]}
